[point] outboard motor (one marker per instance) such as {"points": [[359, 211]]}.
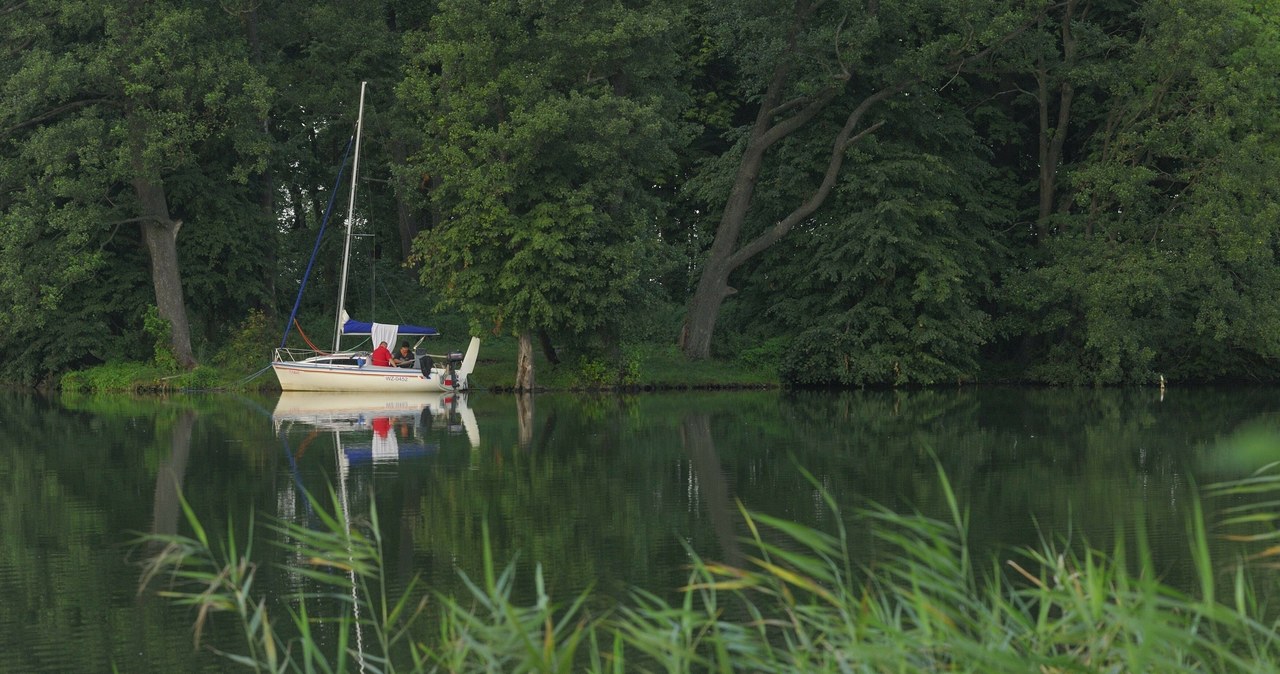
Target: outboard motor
{"points": [[451, 368]]}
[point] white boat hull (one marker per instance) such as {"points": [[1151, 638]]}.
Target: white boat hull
{"points": [[320, 374], [304, 376]]}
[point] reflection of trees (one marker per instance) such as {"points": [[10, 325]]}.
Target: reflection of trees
{"points": [[1016, 457], [166, 506], [712, 484], [75, 483], [603, 497], [524, 415], [1100, 459], [592, 504]]}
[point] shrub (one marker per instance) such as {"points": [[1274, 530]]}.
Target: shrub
{"points": [[202, 378], [113, 377], [250, 344], [160, 331]]}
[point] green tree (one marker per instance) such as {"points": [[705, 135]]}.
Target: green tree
{"points": [[1159, 255], [319, 53], [807, 62], [891, 282], [546, 125], [112, 108]]}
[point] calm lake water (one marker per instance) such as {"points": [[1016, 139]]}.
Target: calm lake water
{"points": [[605, 492]]}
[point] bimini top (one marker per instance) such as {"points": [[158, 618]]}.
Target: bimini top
{"points": [[354, 327]]}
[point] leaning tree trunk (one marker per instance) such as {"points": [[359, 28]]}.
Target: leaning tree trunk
{"points": [[726, 254], [775, 120], [704, 309], [524, 363], [161, 237]]}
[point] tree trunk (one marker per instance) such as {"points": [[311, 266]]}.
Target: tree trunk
{"points": [[407, 218], [1053, 133], [298, 206], [408, 226], [703, 311], [161, 237], [524, 363], [776, 120], [726, 255], [548, 349]]}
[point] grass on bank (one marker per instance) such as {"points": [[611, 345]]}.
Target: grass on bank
{"points": [[243, 364], [644, 366], [798, 604]]}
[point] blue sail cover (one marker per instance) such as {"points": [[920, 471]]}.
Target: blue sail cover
{"points": [[353, 327]]}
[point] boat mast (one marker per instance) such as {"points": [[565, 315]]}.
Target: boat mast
{"points": [[351, 212]]}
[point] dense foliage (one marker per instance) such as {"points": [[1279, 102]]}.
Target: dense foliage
{"points": [[1078, 192]]}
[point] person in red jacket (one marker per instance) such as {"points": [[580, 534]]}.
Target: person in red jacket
{"points": [[382, 355]]}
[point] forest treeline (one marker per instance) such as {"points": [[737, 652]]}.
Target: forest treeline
{"points": [[908, 192]]}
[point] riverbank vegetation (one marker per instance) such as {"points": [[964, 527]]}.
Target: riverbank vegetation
{"points": [[636, 367], [796, 602], [888, 194]]}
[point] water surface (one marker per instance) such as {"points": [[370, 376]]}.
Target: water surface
{"points": [[604, 492]]}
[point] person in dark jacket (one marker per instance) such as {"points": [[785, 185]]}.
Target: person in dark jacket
{"points": [[404, 357]]}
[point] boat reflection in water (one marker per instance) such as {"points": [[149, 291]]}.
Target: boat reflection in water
{"points": [[377, 430], [372, 434], [377, 427]]}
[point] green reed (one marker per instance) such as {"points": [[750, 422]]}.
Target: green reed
{"points": [[798, 603]]}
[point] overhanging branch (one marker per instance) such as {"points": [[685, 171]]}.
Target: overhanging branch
{"points": [[52, 113], [839, 146]]}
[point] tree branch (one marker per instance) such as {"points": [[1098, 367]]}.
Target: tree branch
{"points": [[960, 63], [839, 146], [49, 114], [765, 135], [786, 127], [841, 143], [864, 132], [789, 105], [175, 224], [15, 50], [770, 107]]}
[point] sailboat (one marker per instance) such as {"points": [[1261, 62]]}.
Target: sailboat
{"points": [[353, 370]]}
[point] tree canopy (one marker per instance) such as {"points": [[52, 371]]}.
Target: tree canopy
{"points": [[1076, 192]]}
